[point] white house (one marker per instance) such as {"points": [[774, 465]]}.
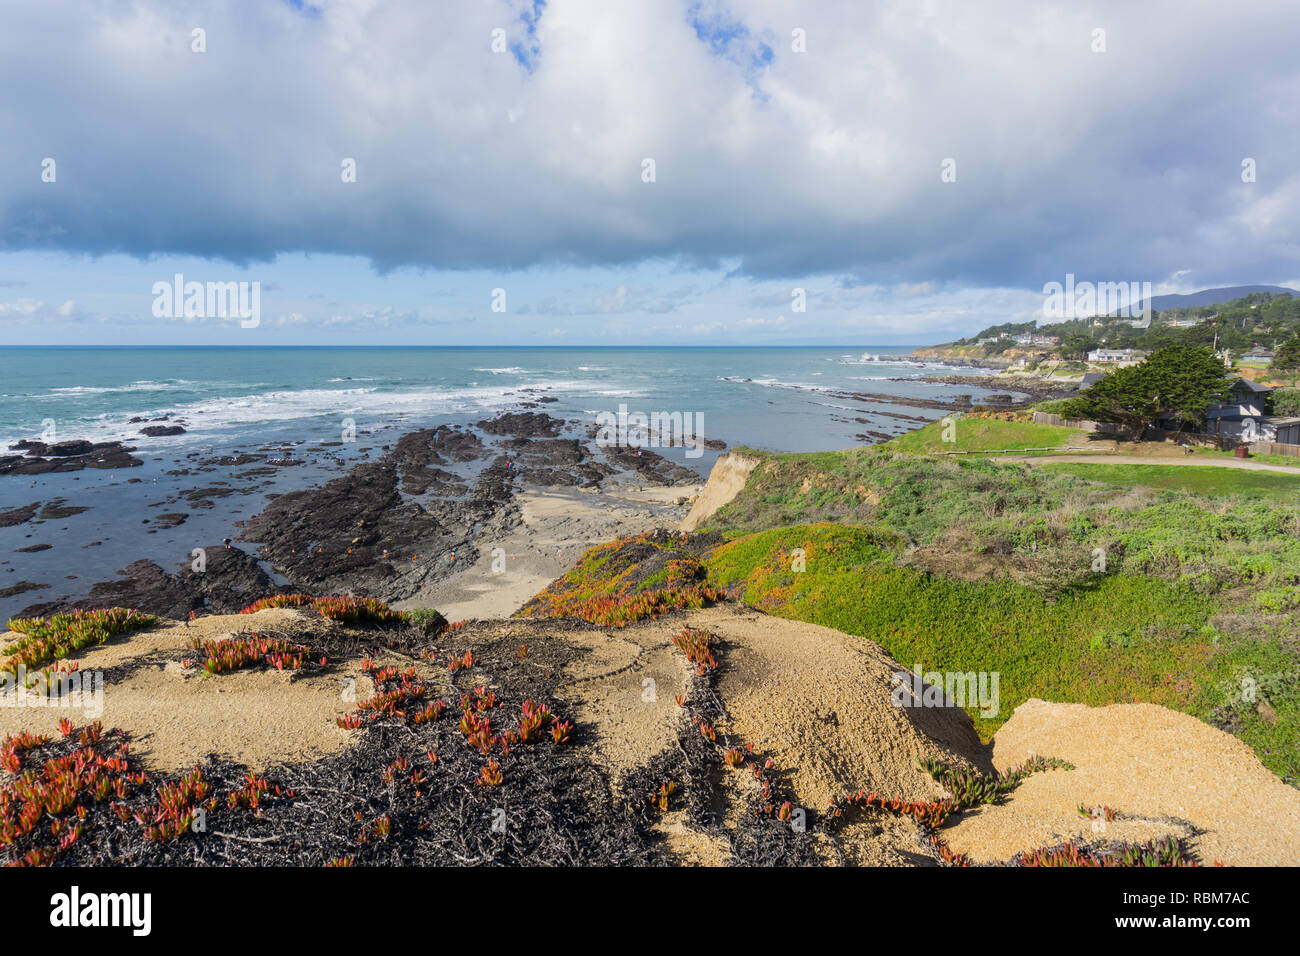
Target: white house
{"points": [[1119, 356]]}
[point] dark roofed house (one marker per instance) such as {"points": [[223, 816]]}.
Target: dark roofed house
{"points": [[1244, 416]]}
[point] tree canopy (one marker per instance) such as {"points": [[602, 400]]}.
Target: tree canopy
{"points": [[1287, 356], [1177, 382]]}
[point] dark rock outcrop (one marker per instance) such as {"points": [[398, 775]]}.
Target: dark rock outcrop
{"points": [[231, 580], [42, 458], [523, 425]]}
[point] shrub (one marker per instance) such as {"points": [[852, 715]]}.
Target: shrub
{"points": [[428, 620]]}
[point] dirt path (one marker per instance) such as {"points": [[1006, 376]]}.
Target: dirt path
{"points": [[1189, 461]]}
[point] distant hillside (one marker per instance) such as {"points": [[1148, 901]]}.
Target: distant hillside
{"points": [[1238, 319], [1212, 296]]}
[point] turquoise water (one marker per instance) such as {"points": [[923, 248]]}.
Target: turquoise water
{"points": [[233, 396], [244, 399]]}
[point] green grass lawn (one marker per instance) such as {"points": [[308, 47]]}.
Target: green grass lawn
{"points": [[980, 434], [1201, 480]]}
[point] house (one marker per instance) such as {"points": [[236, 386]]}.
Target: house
{"points": [[1029, 338], [1244, 415], [1257, 357], [1183, 323], [1286, 431], [1120, 356]]}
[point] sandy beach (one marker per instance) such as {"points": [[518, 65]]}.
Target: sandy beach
{"points": [[556, 526]]}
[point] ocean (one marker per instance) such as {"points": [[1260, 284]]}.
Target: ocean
{"points": [[244, 399]]}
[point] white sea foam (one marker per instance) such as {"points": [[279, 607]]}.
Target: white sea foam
{"points": [[370, 406], [110, 389]]}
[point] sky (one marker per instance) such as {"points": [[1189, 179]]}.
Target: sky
{"points": [[646, 172]]}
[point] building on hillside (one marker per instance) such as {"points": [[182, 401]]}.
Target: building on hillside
{"points": [[1257, 357], [1244, 417], [1031, 338], [1116, 356], [1183, 323]]}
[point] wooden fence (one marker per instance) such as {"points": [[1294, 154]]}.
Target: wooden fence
{"points": [[1055, 450], [1151, 434], [1274, 448], [1102, 428]]}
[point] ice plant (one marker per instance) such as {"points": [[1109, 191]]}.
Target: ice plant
{"points": [[533, 719], [430, 713], [177, 808], [490, 775], [249, 795], [970, 789], [236, 652], [697, 645], [1163, 852], [48, 639], [661, 798], [1103, 812], [344, 608]]}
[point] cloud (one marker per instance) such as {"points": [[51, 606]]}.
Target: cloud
{"points": [[21, 307], [34, 312], [1113, 166]]}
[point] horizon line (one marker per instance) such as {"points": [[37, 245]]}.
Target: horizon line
{"points": [[840, 345]]}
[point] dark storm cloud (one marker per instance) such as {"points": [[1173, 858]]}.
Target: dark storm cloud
{"points": [[1123, 163]]}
